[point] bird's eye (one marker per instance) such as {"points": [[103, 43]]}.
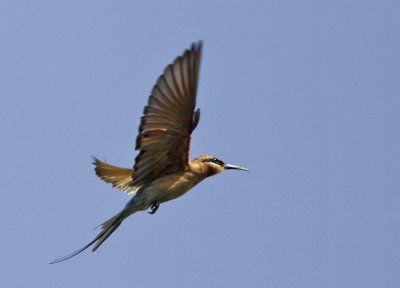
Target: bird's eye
{"points": [[214, 160], [217, 161]]}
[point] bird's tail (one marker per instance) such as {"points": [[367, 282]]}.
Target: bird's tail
{"points": [[107, 227]]}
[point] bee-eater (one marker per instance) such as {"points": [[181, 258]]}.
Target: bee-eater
{"points": [[162, 170]]}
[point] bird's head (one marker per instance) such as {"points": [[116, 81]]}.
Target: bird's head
{"points": [[211, 165]]}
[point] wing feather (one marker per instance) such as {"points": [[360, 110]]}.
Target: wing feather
{"points": [[169, 119]]}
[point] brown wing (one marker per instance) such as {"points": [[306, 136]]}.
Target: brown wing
{"points": [[169, 119]]}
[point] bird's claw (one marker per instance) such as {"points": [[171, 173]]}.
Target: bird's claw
{"points": [[153, 208]]}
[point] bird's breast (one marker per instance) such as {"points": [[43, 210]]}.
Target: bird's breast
{"points": [[171, 187]]}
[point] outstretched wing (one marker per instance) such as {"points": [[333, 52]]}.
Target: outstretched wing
{"points": [[169, 119], [118, 177]]}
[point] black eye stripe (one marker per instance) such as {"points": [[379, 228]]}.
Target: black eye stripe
{"points": [[217, 161], [214, 160]]}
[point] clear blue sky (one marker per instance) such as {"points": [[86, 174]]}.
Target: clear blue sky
{"points": [[304, 93]]}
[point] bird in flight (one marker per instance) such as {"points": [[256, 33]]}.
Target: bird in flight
{"points": [[162, 169]]}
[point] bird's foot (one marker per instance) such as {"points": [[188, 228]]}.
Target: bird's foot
{"points": [[153, 208]]}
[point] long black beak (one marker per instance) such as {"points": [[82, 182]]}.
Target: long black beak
{"points": [[230, 166]]}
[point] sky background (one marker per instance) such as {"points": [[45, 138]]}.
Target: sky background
{"points": [[306, 94]]}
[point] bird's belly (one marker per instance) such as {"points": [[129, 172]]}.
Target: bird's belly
{"points": [[170, 187]]}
